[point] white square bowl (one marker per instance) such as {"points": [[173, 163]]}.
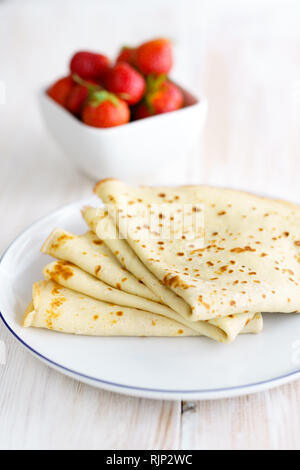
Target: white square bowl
{"points": [[132, 152]]}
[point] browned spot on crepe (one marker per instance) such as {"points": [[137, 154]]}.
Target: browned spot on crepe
{"points": [[62, 269]]}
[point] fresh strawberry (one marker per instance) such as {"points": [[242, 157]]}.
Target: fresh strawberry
{"points": [[141, 111], [162, 95], [105, 110], [76, 99], [155, 57], [126, 82], [127, 54], [61, 90], [79, 95], [89, 65]]}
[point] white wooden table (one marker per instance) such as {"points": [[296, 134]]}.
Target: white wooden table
{"points": [[245, 58]]}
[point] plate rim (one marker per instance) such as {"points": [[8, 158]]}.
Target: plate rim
{"points": [[204, 394]]}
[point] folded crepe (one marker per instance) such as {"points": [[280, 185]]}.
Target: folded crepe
{"points": [[57, 308], [244, 257], [103, 226], [99, 221], [70, 276], [69, 247], [90, 254]]}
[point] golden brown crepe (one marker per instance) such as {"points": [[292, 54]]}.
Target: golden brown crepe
{"points": [[98, 220], [57, 308], [223, 330], [245, 259], [90, 254]]}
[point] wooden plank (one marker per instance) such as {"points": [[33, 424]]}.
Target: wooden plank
{"points": [[266, 420], [42, 409]]}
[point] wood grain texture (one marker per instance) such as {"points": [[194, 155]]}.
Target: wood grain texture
{"points": [[42, 409], [244, 57], [266, 420]]}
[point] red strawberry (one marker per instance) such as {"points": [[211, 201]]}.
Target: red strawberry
{"points": [[126, 82], [105, 110], [79, 95], [60, 90], [155, 57], [141, 111], [89, 65], [162, 96], [127, 54]]}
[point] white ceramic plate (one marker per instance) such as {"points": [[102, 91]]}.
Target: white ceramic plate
{"points": [[170, 368]]}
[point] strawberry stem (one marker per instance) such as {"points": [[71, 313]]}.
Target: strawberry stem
{"points": [[90, 86], [100, 96], [154, 82]]}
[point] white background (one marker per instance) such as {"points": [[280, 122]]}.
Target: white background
{"points": [[244, 56]]}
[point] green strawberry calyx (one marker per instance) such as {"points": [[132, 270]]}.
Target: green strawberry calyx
{"points": [[148, 102], [100, 96], [154, 83], [90, 86]]}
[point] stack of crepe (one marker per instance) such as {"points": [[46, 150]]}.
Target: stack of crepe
{"points": [[143, 269]]}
